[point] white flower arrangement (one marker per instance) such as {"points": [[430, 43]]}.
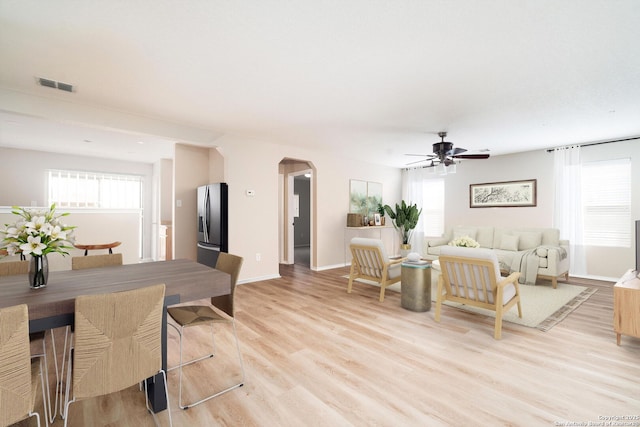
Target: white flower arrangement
{"points": [[38, 232], [465, 242]]}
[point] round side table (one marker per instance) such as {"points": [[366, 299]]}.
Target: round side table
{"points": [[415, 294]]}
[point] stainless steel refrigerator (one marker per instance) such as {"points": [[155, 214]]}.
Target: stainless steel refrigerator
{"points": [[213, 222]]}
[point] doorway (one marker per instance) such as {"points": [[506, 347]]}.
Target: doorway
{"points": [[302, 219], [297, 213]]}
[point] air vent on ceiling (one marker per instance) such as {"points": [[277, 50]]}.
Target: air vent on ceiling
{"points": [[55, 85]]}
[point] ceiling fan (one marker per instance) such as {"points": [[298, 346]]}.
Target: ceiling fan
{"points": [[444, 153]]}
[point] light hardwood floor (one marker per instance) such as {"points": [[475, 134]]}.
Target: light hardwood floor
{"points": [[317, 356]]}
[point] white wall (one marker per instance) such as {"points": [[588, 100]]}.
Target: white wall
{"points": [[23, 182], [531, 165], [601, 261], [253, 221]]}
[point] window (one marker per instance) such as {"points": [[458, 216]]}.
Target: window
{"points": [[606, 203], [74, 189], [433, 207]]}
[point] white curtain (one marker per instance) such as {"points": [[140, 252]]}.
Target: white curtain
{"points": [[413, 193], [567, 215]]}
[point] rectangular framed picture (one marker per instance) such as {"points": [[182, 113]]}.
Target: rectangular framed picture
{"points": [[377, 220], [364, 196], [507, 194]]}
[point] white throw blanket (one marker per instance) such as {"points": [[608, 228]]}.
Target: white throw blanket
{"points": [[526, 262]]}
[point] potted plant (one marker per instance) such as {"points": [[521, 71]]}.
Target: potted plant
{"points": [[404, 219]]}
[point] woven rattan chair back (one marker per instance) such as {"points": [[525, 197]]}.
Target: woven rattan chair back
{"points": [[230, 264], [37, 339], [117, 340], [17, 391], [12, 268], [95, 261]]}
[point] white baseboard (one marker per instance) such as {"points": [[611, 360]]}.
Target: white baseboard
{"points": [[258, 279], [330, 267]]}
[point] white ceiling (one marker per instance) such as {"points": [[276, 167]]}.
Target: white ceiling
{"points": [[362, 77]]}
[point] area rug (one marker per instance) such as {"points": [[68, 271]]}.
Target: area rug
{"points": [[542, 306]]}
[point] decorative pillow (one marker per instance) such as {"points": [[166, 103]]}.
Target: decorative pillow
{"points": [[509, 242], [542, 252], [529, 240], [462, 232]]}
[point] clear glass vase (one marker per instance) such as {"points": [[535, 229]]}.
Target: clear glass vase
{"points": [[38, 271]]}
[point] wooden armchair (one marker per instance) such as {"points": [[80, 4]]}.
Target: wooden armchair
{"points": [[370, 261], [472, 276]]}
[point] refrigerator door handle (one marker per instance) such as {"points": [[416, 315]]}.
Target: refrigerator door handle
{"points": [[206, 215], [209, 248]]}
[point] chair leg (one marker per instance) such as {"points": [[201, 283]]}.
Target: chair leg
{"points": [[519, 309], [182, 364], [68, 336], [47, 396], [44, 403], [351, 274], [67, 402], [44, 366], [439, 300], [189, 362]]}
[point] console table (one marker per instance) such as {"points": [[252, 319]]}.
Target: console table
{"points": [[626, 306]]}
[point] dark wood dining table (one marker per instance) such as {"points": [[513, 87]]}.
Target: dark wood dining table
{"points": [[54, 305]]}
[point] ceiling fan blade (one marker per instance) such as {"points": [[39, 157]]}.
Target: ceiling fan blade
{"points": [[457, 151], [417, 161], [471, 156], [426, 156]]}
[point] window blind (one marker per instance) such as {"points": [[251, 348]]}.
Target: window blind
{"points": [[76, 189], [606, 199], [433, 207]]}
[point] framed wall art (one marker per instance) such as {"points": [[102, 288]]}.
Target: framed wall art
{"points": [[364, 196], [507, 194]]}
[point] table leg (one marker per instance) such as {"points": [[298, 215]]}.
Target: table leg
{"points": [[155, 384]]}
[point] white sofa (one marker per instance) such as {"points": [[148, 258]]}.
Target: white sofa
{"points": [[535, 252]]}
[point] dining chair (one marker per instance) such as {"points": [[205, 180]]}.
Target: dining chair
{"points": [[116, 344], [81, 263], [471, 276], [221, 310], [19, 372], [37, 340], [95, 261]]}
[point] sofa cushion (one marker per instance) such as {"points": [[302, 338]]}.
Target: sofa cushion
{"points": [[528, 239], [484, 237], [551, 237], [464, 232], [509, 242]]}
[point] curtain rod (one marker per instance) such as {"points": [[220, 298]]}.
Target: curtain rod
{"points": [[550, 150]]}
